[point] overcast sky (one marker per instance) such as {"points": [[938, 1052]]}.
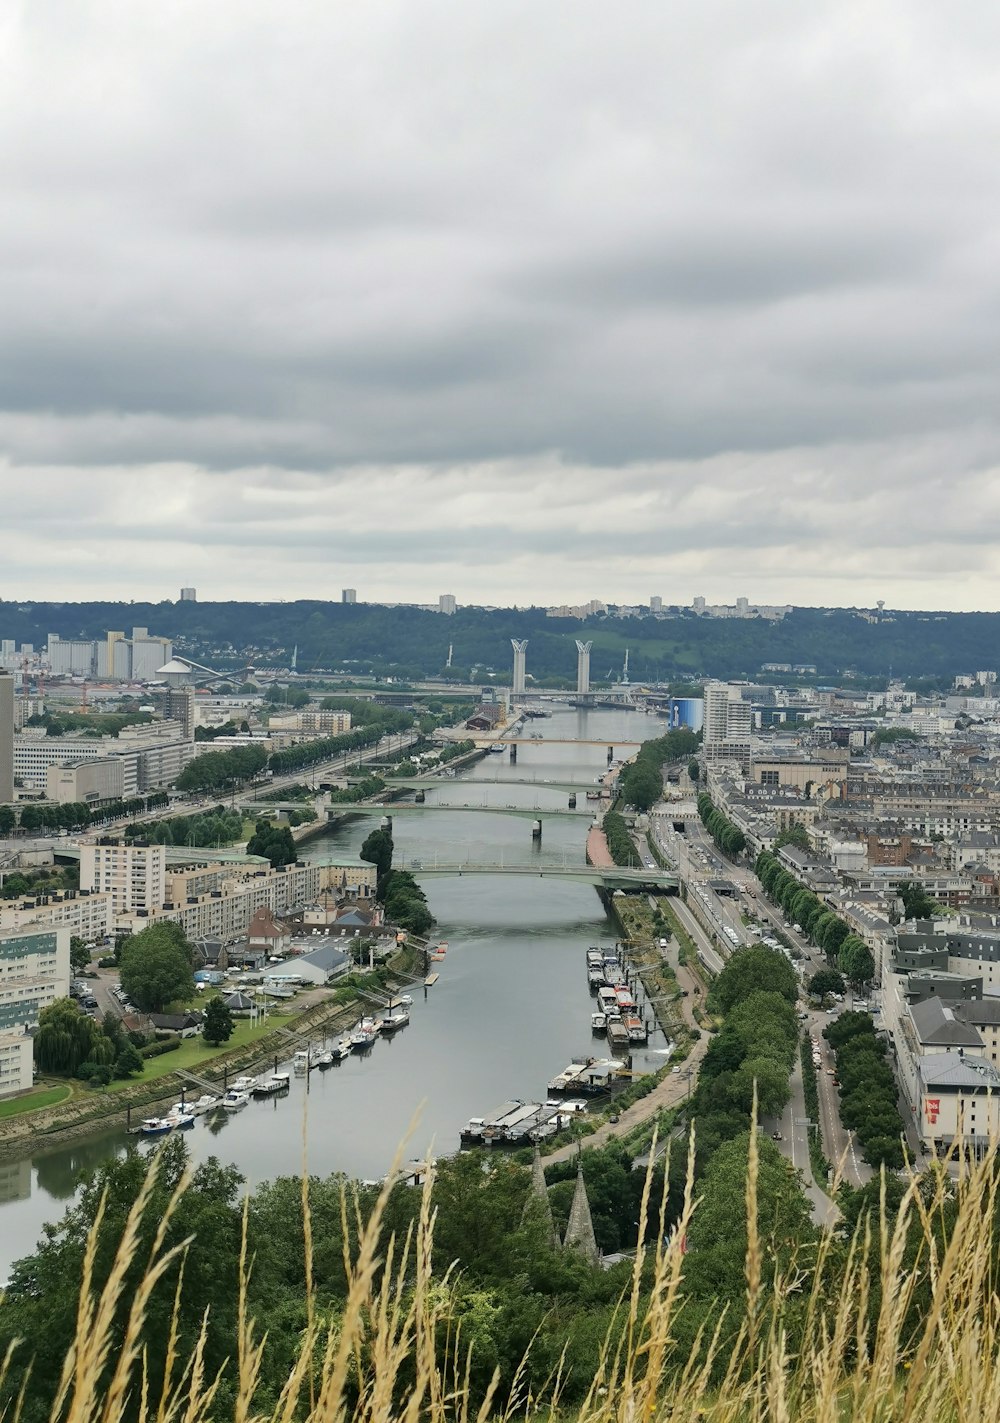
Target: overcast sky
{"points": [[518, 300]]}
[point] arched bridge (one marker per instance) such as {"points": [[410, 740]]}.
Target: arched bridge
{"points": [[408, 807], [615, 877]]}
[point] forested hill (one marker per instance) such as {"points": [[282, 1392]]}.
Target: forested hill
{"points": [[409, 642]]}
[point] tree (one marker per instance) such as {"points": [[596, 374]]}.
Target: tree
{"points": [[694, 770], [274, 843], [917, 903], [218, 1025], [79, 954], [793, 835], [376, 849], [66, 1038], [156, 967], [756, 969], [8, 819], [128, 1062], [856, 962], [826, 980]]}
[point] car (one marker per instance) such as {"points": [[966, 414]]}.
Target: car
{"points": [[831, 1072], [614, 1119], [776, 1136], [675, 1069]]}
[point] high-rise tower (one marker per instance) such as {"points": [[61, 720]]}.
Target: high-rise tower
{"points": [[520, 648], [583, 667]]}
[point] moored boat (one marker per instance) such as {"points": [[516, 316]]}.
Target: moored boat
{"points": [[300, 1062], [598, 1022], [233, 1100], [394, 1021], [155, 1126]]}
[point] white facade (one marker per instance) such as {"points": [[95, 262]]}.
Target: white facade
{"points": [[134, 874], [88, 916], [520, 653], [86, 782], [447, 603], [7, 768], [727, 725], [34, 972]]}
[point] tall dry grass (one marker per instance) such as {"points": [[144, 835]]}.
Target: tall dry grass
{"points": [[382, 1358]]}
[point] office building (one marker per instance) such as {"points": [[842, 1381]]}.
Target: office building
{"points": [[447, 603], [189, 595], [6, 739], [177, 704], [655, 604], [34, 972], [349, 595], [86, 782], [132, 872]]}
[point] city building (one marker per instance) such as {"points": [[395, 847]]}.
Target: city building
{"points": [[447, 603], [152, 755], [583, 667], [6, 739], [133, 872], [86, 782], [727, 727], [520, 651], [318, 723], [189, 595], [656, 604], [87, 916], [34, 972], [348, 595]]}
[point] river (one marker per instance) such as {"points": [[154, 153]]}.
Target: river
{"points": [[510, 1009]]}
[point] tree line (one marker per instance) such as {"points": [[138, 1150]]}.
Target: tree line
{"points": [[641, 781], [819, 923], [397, 891], [728, 838]]}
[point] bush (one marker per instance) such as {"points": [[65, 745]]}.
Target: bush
{"points": [[95, 1074], [109, 961], [157, 1049]]}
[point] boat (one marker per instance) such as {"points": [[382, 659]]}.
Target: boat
{"points": [[395, 1021], [636, 1028], [341, 1050], [618, 1034], [179, 1120], [479, 1128], [243, 1084], [403, 998], [270, 1086], [155, 1126], [233, 1100], [598, 1022], [321, 1057], [497, 750], [194, 1109], [300, 1062], [365, 1034]]}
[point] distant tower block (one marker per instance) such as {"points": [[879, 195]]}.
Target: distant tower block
{"points": [[583, 666], [520, 648]]}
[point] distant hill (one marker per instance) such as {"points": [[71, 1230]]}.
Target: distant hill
{"points": [[412, 643]]}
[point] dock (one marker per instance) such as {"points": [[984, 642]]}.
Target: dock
{"points": [[431, 979]]}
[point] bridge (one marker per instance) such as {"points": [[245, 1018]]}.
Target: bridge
{"points": [[614, 877], [426, 783], [553, 741], [408, 807]]}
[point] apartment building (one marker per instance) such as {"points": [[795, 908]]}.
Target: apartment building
{"points": [[6, 739], [316, 723], [727, 725], [151, 755], [131, 871], [34, 972], [88, 916]]}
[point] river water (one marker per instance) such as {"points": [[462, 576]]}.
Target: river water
{"points": [[510, 1009]]}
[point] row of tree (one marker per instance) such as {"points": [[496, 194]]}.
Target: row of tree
{"points": [[379, 722], [868, 1092], [211, 827], [74, 815], [728, 838], [620, 844], [222, 770], [641, 782], [818, 922]]}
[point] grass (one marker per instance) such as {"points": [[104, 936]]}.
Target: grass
{"points": [[32, 1101], [900, 1323], [194, 1053]]}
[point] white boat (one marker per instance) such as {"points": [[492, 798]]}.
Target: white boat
{"points": [[202, 1104], [403, 998], [269, 1086], [341, 1050], [243, 1084], [155, 1126], [179, 1119], [233, 1100], [321, 1057], [300, 1062], [598, 1022], [365, 1034]]}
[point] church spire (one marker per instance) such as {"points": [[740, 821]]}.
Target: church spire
{"points": [[580, 1228], [538, 1200]]}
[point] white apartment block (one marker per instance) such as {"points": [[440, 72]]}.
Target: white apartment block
{"points": [[132, 872], [88, 916], [322, 723], [727, 725], [34, 972], [151, 755]]}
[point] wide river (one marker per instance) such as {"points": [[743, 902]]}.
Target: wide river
{"points": [[510, 1009]]}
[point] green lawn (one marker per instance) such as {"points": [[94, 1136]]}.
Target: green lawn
{"points": [[31, 1101], [194, 1053]]}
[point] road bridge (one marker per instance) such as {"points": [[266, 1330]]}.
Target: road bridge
{"points": [[554, 741], [614, 877], [407, 807], [426, 783]]}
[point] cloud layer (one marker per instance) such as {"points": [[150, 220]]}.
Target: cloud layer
{"points": [[526, 303]]}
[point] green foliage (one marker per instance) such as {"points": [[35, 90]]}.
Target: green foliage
{"points": [[824, 981], [868, 1093], [729, 838], [66, 1038], [620, 844], [128, 1062], [376, 849], [856, 962], [754, 969], [406, 903], [221, 770], [641, 782], [888, 735], [211, 827], [156, 967], [218, 1025], [694, 770], [792, 835], [274, 843], [917, 903]]}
